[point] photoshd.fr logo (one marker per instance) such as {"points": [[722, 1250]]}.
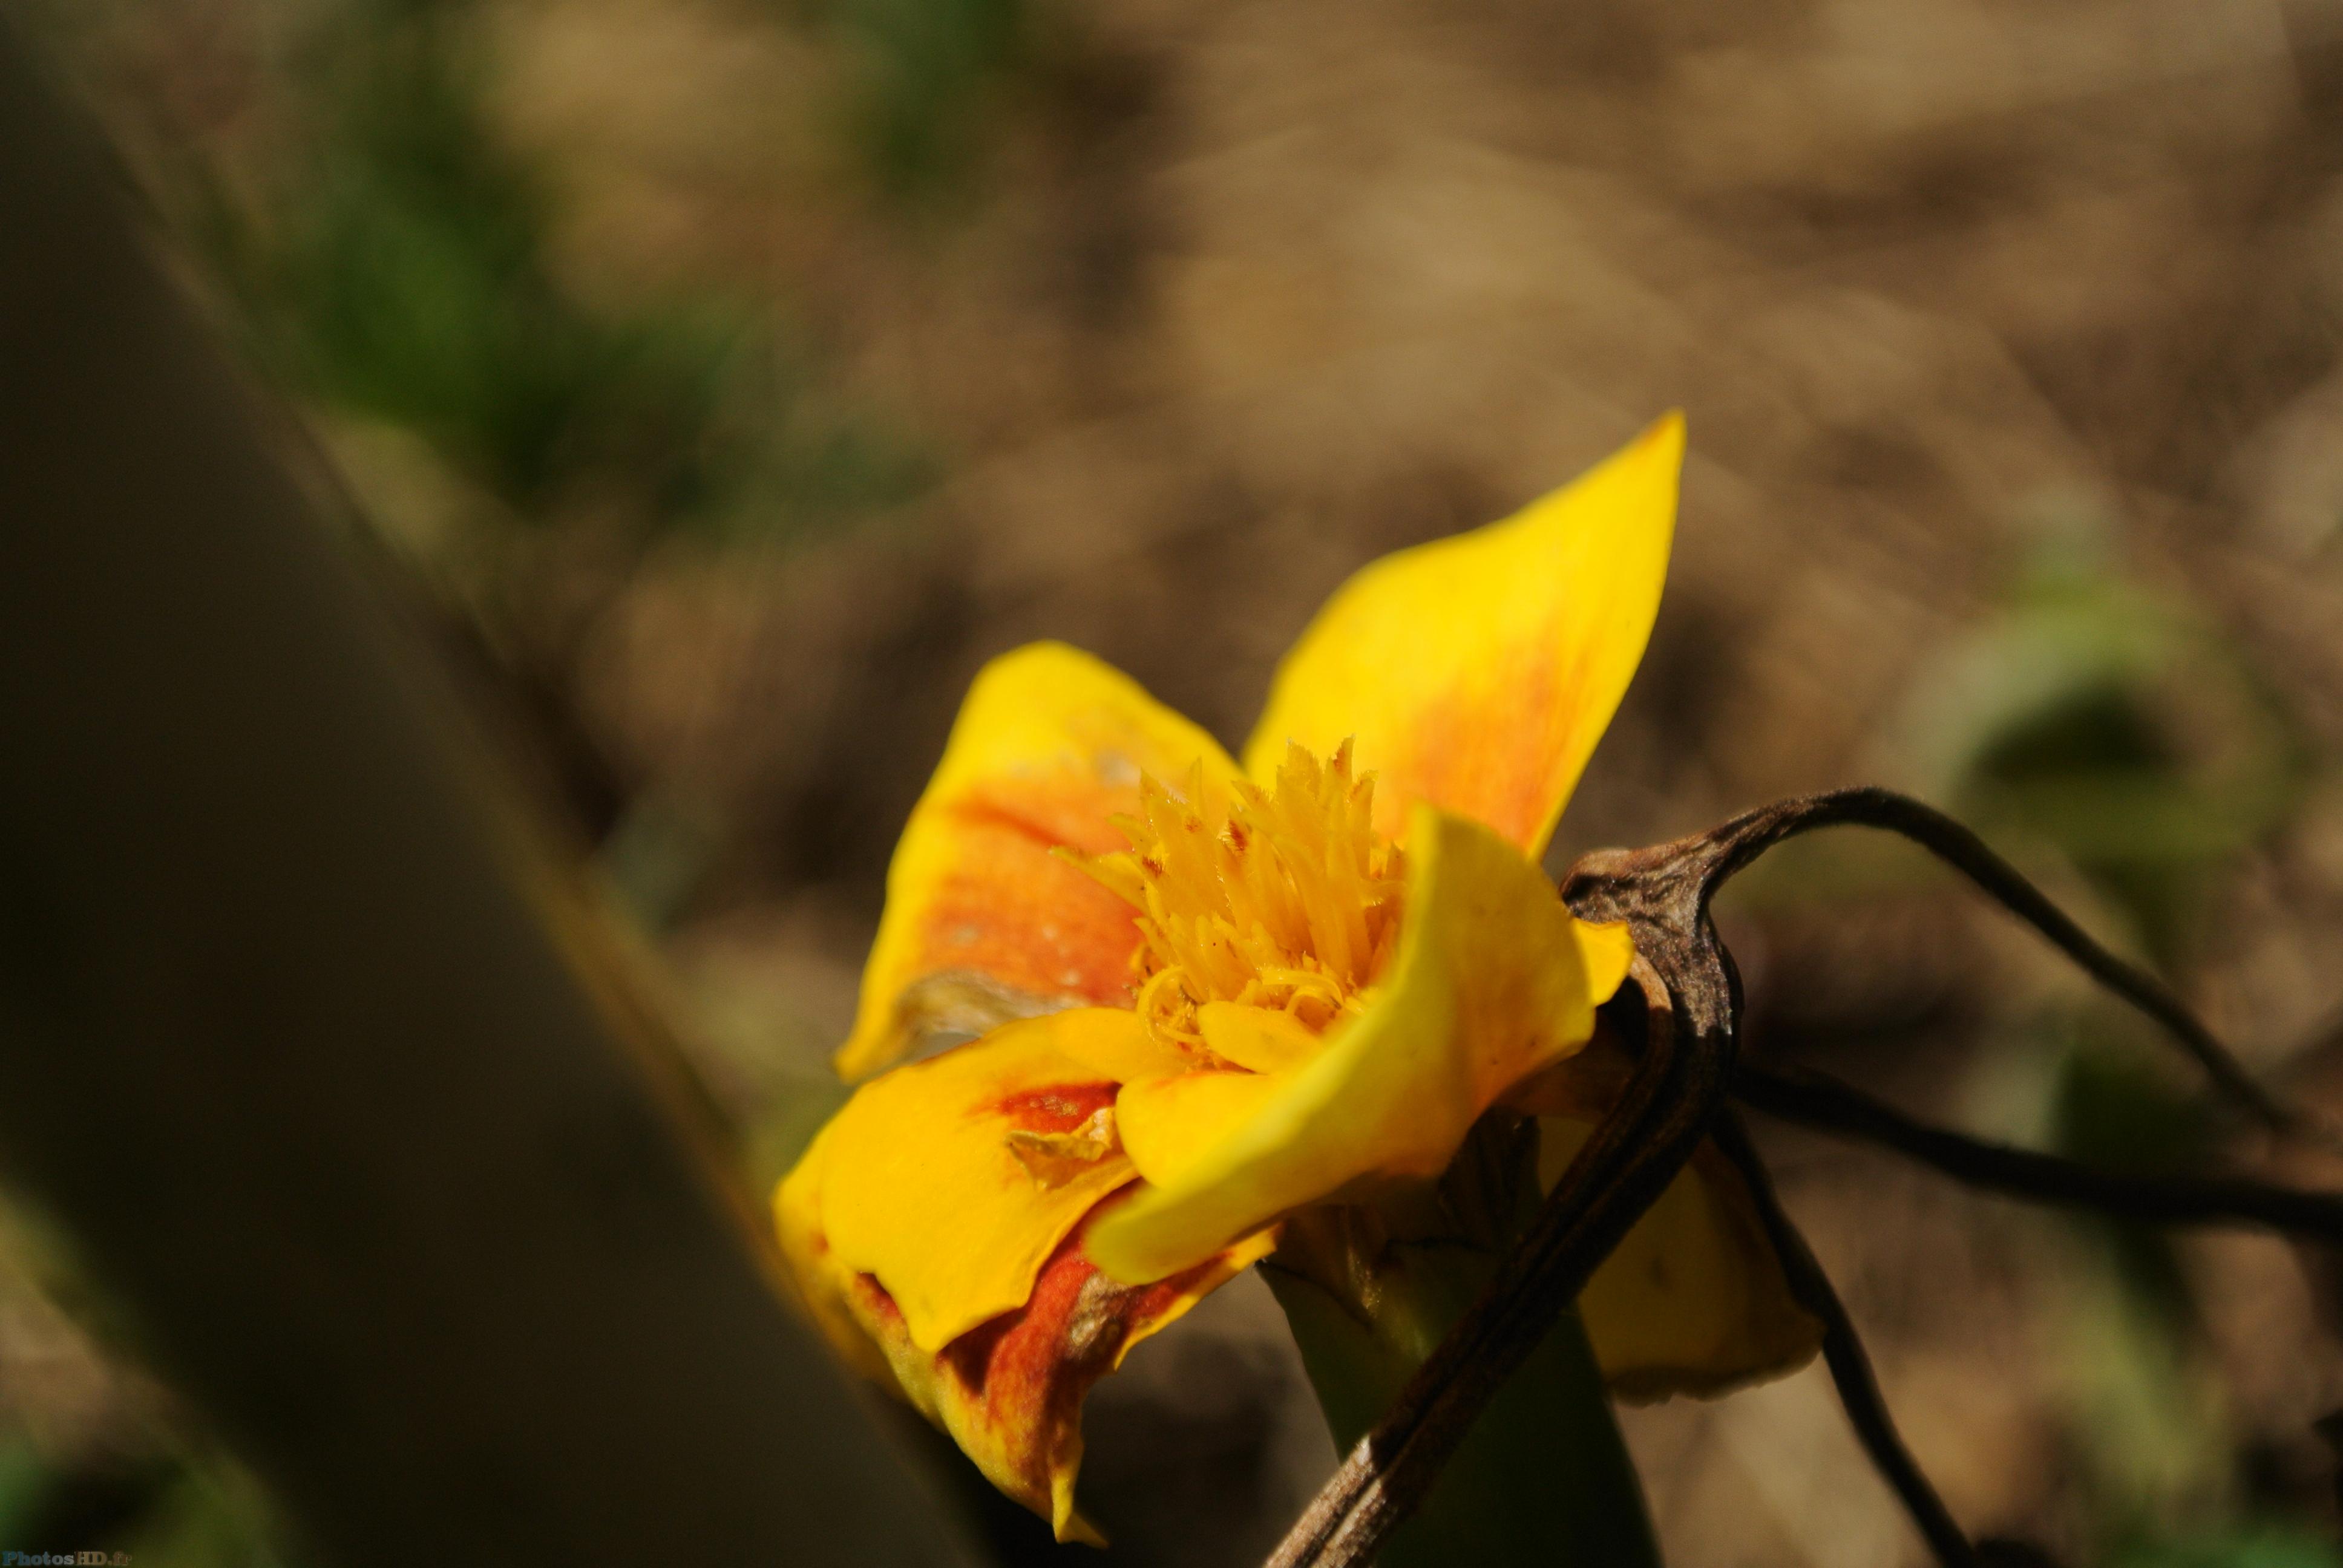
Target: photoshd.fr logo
{"points": [[63, 1559]]}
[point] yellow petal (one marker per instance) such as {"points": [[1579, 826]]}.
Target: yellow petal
{"points": [[1263, 1040], [1694, 1300], [1009, 1391], [1493, 981], [824, 1284], [1120, 1048], [1168, 1123], [983, 922], [1478, 672], [1579, 1087], [919, 1180]]}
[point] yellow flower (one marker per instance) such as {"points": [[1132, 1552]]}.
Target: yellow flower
{"points": [[1204, 996]]}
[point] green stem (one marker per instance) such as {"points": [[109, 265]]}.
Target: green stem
{"points": [[1542, 1478]]}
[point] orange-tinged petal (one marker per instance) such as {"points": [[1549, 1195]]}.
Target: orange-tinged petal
{"points": [[1009, 1390], [1693, 1299], [1477, 672], [953, 1180], [1493, 981], [983, 921]]}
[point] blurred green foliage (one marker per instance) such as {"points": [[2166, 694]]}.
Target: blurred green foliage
{"points": [[2264, 1546], [2113, 1110], [172, 1506], [925, 72], [2113, 727], [396, 262], [2122, 748], [146, 1488], [2110, 739], [210, 1514]]}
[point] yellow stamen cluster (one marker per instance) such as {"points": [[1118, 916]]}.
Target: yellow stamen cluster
{"points": [[1283, 898]]}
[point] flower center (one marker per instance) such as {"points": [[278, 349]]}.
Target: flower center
{"points": [[1283, 898]]}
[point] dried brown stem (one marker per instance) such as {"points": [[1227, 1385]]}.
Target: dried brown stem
{"points": [[1958, 847], [1850, 1368], [1812, 1099]]}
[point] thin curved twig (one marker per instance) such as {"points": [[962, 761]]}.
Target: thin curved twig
{"points": [[1812, 1099], [1754, 832], [1850, 1367]]}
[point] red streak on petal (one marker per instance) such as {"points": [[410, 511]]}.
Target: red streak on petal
{"points": [[1058, 1108], [1030, 1368], [876, 1301]]}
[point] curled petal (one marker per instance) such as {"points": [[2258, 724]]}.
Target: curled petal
{"points": [[1493, 982], [984, 920], [1009, 1391], [1169, 1124], [1693, 1299], [952, 1181], [1477, 672], [1262, 1039]]}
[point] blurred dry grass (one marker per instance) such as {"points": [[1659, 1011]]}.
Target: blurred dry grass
{"points": [[1194, 308]]}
